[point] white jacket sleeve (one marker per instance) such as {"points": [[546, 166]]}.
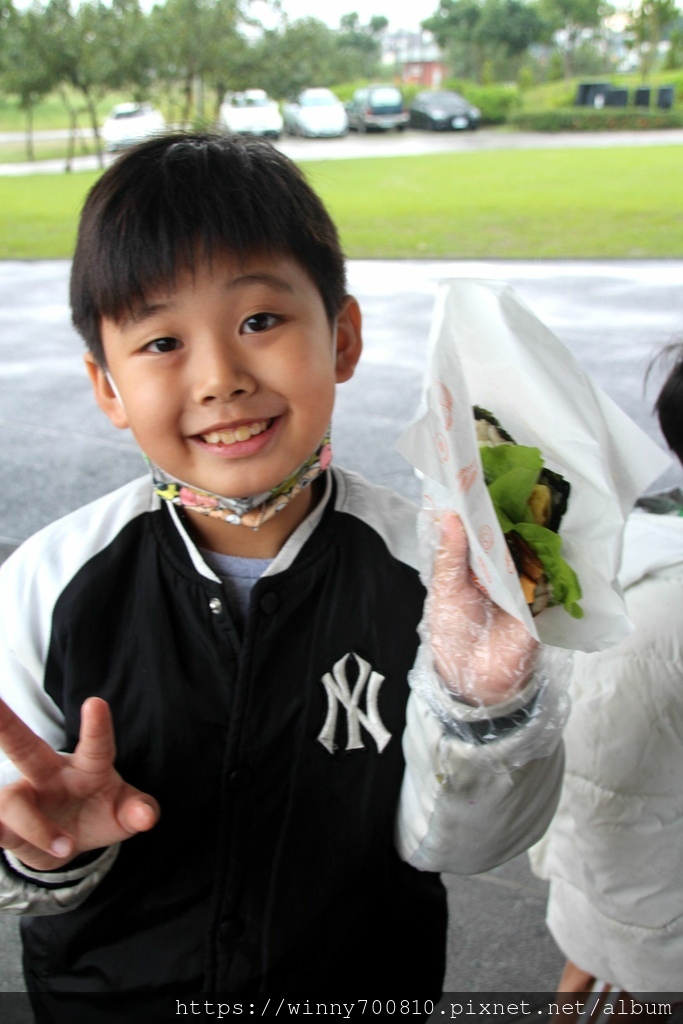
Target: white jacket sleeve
{"points": [[472, 799], [24, 635], [23, 891]]}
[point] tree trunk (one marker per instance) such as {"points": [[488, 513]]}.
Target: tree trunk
{"points": [[73, 128], [220, 93], [30, 152], [199, 98], [92, 111], [187, 107]]}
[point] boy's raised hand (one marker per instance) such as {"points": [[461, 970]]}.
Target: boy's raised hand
{"points": [[67, 804], [483, 654]]}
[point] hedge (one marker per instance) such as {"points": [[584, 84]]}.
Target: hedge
{"points": [[496, 102], [586, 119]]}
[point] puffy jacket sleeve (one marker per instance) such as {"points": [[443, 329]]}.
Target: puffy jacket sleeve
{"points": [[471, 797], [26, 589]]}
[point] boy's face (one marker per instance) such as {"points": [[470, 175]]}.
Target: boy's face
{"points": [[227, 380]]}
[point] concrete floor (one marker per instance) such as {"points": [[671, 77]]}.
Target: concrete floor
{"points": [[58, 452]]}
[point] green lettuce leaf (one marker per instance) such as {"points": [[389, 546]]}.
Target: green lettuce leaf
{"points": [[504, 457], [561, 576], [511, 471]]}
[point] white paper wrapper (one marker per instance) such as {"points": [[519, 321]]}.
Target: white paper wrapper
{"points": [[487, 348]]}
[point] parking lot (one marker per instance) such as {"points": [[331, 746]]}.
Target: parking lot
{"points": [[411, 142]]}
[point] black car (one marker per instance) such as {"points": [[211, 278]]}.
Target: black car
{"points": [[378, 108], [443, 111]]}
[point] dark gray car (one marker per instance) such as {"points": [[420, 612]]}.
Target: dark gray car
{"points": [[443, 111], [377, 108]]}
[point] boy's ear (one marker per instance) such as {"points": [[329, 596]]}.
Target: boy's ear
{"points": [[349, 339], [106, 396]]}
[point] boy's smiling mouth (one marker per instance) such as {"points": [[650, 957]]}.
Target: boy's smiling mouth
{"points": [[239, 440], [242, 433]]}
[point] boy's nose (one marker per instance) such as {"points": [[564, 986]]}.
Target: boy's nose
{"points": [[221, 379]]}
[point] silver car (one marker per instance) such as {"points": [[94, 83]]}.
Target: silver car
{"points": [[315, 113]]}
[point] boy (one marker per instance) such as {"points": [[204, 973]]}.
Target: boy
{"points": [[247, 619]]}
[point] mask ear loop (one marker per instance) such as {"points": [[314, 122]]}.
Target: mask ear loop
{"points": [[113, 386]]}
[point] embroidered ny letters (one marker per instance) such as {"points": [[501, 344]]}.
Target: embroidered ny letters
{"points": [[338, 688]]}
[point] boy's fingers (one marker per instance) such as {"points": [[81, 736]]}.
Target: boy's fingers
{"points": [[34, 758], [136, 811], [23, 823], [96, 747], [451, 567]]}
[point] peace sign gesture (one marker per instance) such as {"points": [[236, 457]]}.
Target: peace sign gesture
{"points": [[67, 804]]}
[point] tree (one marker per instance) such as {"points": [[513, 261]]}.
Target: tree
{"points": [[227, 56], [674, 58], [24, 73], [198, 43], [378, 24], [359, 45], [570, 20], [511, 26], [6, 9], [486, 33], [299, 54], [131, 48], [454, 26], [93, 49], [649, 24]]}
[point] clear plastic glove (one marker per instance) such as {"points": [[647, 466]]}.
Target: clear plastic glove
{"points": [[483, 655]]}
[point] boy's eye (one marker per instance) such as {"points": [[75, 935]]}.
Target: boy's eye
{"points": [[162, 345], [260, 322]]}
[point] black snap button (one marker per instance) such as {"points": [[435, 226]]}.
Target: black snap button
{"points": [[269, 603], [241, 778]]}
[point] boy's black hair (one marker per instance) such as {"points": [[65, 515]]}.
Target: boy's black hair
{"points": [[669, 404], [183, 197]]}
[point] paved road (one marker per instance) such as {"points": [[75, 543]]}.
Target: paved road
{"points": [[409, 143], [58, 451], [614, 316]]}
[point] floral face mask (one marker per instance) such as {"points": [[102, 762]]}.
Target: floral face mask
{"points": [[254, 511]]}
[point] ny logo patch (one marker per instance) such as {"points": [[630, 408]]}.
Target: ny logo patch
{"points": [[344, 686]]}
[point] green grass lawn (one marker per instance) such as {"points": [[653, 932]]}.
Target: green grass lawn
{"points": [[39, 214], [44, 149], [51, 112], [602, 203], [619, 203]]}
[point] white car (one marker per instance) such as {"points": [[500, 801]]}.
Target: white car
{"points": [[129, 123], [251, 112], [316, 113]]}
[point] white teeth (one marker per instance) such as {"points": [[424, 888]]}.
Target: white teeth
{"points": [[242, 433]]}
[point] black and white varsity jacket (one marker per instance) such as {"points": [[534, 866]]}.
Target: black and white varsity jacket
{"points": [[308, 797]]}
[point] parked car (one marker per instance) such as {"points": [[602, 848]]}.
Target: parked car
{"points": [[251, 112], [315, 113], [377, 107], [443, 111], [129, 123]]}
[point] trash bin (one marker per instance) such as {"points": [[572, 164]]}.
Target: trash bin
{"points": [[665, 97], [642, 97], [592, 94], [617, 98]]}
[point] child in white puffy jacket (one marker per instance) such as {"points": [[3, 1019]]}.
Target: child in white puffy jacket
{"points": [[614, 852]]}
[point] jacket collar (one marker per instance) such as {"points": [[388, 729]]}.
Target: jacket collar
{"points": [[285, 557]]}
